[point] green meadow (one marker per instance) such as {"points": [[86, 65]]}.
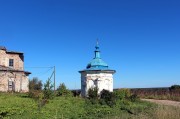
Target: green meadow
{"points": [[20, 106]]}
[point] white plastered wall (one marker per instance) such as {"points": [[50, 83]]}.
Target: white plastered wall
{"points": [[101, 80]]}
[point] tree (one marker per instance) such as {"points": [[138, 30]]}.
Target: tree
{"points": [[35, 84], [48, 90], [63, 91], [174, 87], [35, 88]]}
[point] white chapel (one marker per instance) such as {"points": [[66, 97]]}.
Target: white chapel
{"points": [[97, 74]]}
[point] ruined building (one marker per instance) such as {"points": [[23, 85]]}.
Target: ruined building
{"points": [[12, 74]]}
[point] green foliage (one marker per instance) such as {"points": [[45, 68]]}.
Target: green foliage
{"points": [[35, 88], [16, 106], [111, 98], [48, 90], [134, 98], [35, 94], [76, 93], [63, 91], [108, 98], [35, 84], [93, 93], [122, 94], [175, 87], [38, 97], [42, 102]]}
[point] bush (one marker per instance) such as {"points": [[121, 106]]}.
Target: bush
{"points": [[174, 87], [122, 94], [76, 93], [93, 93], [107, 97], [48, 90], [35, 94], [63, 91], [111, 99], [134, 98]]}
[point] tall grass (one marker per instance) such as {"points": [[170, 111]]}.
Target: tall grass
{"points": [[167, 112], [157, 93]]}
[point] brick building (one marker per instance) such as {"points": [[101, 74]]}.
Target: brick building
{"points": [[12, 74]]}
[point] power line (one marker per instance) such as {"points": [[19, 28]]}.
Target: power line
{"points": [[41, 73], [53, 73], [38, 67]]}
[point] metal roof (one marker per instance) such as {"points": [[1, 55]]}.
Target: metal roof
{"points": [[97, 63]]}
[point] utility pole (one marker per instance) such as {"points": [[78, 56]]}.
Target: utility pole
{"points": [[53, 73]]}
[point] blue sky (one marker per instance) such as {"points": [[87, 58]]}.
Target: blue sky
{"points": [[140, 39]]}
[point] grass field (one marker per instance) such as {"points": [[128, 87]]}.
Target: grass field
{"points": [[20, 106]]}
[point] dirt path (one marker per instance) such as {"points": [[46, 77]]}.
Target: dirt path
{"points": [[164, 102]]}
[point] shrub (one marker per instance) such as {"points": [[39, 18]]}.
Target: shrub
{"points": [[93, 93], [76, 93], [134, 98], [107, 97], [175, 87], [63, 91], [48, 90], [122, 93], [41, 97], [35, 94]]}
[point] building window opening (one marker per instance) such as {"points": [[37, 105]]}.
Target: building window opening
{"points": [[11, 62]]}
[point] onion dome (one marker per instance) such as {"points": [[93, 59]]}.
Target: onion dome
{"points": [[97, 63]]}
